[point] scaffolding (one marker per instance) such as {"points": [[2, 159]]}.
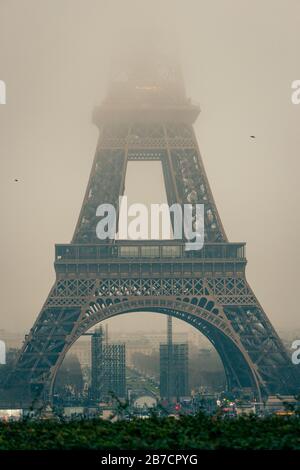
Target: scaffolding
{"points": [[173, 367], [108, 376]]}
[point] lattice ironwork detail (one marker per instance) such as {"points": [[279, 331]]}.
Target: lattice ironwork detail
{"points": [[152, 121]]}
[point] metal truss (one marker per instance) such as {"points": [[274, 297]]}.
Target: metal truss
{"points": [[224, 309], [151, 119]]}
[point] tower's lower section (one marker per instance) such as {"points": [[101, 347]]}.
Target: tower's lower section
{"points": [[205, 288]]}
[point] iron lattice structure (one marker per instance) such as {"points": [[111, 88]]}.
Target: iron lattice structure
{"points": [[147, 116]]}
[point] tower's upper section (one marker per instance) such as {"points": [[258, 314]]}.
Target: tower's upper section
{"points": [[146, 84], [146, 115]]}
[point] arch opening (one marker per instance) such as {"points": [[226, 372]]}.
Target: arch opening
{"points": [[239, 375]]}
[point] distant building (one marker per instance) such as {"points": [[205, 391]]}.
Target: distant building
{"points": [[108, 366], [82, 349], [174, 371], [173, 367], [114, 367], [276, 404], [11, 340]]}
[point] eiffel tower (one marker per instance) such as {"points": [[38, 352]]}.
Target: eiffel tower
{"points": [[146, 115]]}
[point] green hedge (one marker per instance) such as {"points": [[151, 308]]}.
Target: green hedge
{"points": [[192, 432]]}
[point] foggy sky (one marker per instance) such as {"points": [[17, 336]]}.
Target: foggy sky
{"points": [[239, 58]]}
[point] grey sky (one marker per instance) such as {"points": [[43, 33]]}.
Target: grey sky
{"points": [[239, 58]]}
